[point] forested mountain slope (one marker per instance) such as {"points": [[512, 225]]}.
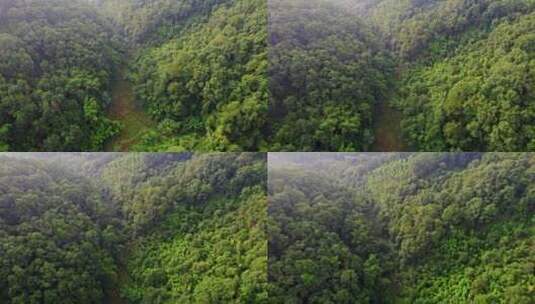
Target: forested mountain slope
{"points": [[134, 228], [460, 72], [416, 27], [480, 98], [207, 87], [469, 83], [327, 71], [156, 20], [55, 236], [468, 76], [197, 67], [412, 228], [56, 61]]}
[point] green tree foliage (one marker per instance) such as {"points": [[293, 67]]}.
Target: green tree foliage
{"points": [[321, 242], [145, 197], [54, 236], [415, 228], [56, 59], [198, 68], [212, 254], [157, 20], [327, 70], [141, 228], [482, 98], [207, 88], [413, 27], [464, 71]]}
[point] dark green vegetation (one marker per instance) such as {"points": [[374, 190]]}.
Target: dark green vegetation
{"points": [[482, 97], [401, 228], [196, 67], [464, 79], [56, 60], [137, 228], [327, 70], [207, 88], [470, 85]]}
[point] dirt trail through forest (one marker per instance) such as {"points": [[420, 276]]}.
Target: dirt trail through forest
{"points": [[387, 124], [125, 109], [113, 296], [387, 129]]}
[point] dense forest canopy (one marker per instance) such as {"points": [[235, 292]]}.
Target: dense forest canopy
{"points": [[401, 228], [56, 60], [481, 98], [133, 228], [469, 78], [54, 236], [197, 67], [154, 21], [280, 75], [207, 87], [327, 70], [413, 27], [460, 72]]}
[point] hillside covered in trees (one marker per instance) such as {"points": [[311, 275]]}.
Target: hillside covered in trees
{"points": [[56, 61], [326, 74], [77, 75], [279, 75], [401, 227], [460, 73], [133, 228]]}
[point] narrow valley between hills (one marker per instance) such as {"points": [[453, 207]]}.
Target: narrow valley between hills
{"points": [[116, 228], [201, 78], [68, 82], [387, 129], [129, 113]]}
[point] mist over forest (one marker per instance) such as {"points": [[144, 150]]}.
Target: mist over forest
{"points": [[132, 228], [125, 75], [301, 228], [401, 227], [257, 75], [401, 75]]}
